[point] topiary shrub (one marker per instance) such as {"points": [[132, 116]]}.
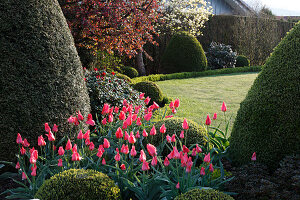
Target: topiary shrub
{"points": [[184, 53], [124, 77], [107, 88], [197, 194], [194, 135], [220, 56], [78, 184], [242, 61], [150, 89], [130, 72], [268, 121]]}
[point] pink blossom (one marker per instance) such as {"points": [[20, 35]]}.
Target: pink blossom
{"points": [[47, 127], [166, 162], [151, 150], [147, 100], [106, 143], [207, 158], [181, 134], [145, 166], [148, 116], [119, 133], [19, 139], [163, 129], [142, 157], [55, 128], [125, 149], [253, 158], [178, 185], [80, 135], [131, 138], [61, 151], [123, 167], [202, 171], [153, 130], [224, 108], [41, 141], [25, 143], [105, 109], [154, 161], [215, 116], [68, 145], [176, 103], [60, 164], [133, 151], [211, 168], [79, 116], [90, 120], [145, 134], [208, 120], [185, 124], [142, 95]]}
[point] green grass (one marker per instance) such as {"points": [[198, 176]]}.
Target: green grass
{"points": [[205, 95]]}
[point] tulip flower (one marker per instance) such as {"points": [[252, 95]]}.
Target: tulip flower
{"points": [[138, 121], [80, 135], [155, 105], [104, 121], [163, 129], [61, 151], [47, 128], [253, 158], [131, 138], [208, 121], [184, 160], [154, 161], [71, 120], [33, 157], [90, 120], [151, 150], [103, 162], [215, 116], [137, 135], [166, 162], [176, 103], [173, 139], [202, 171], [110, 118], [111, 110], [145, 134], [106, 143], [24, 177], [122, 115], [145, 166], [100, 153], [133, 151], [41, 141], [87, 141], [124, 149], [60, 164], [134, 117], [174, 111], [79, 116], [25, 143], [18, 165], [224, 108], [142, 96], [31, 150], [23, 151], [116, 109], [74, 149], [33, 170], [123, 167], [91, 146], [50, 136], [55, 128], [148, 116], [189, 165], [117, 157], [171, 105], [185, 125], [198, 149], [185, 149], [147, 100], [153, 130], [68, 145], [142, 157], [76, 156], [169, 116], [207, 158], [178, 185], [181, 134], [194, 152], [19, 139], [169, 139], [105, 109], [211, 167], [87, 134], [119, 133]]}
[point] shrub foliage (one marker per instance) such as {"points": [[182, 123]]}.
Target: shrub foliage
{"points": [[150, 89], [130, 72], [268, 121], [203, 195], [184, 53], [242, 61]]}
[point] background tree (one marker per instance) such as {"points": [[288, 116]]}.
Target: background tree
{"points": [[119, 25], [41, 77]]}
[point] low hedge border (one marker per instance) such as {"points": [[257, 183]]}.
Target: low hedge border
{"points": [[184, 75]]}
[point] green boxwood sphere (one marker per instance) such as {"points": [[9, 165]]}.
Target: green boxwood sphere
{"points": [[197, 194], [123, 76], [184, 53], [268, 121], [242, 61], [194, 135], [79, 184], [130, 72], [150, 89]]}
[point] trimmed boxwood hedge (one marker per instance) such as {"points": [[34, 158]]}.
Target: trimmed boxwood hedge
{"points": [[198, 194], [184, 53], [242, 61], [79, 184], [41, 74], [150, 89], [268, 121], [130, 72]]}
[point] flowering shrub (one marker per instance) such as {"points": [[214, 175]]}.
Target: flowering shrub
{"points": [[121, 147]]}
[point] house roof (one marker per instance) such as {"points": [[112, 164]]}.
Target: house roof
{"points": [[240, 7]]}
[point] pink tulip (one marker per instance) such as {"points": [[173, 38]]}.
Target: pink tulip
{"points": [[153, 130], [19, 139], [131, 138], [23, 151], [148, 116], [18, 165], [80, 135], [166, 162], [55, 128], [110, 118], [181, 134], [125, 149], [41, 141], [142, 95], [137, 135], [126, 136], [90, 120], [104, 121], [106, 143], [71, 120], [178, 185], [138, 121], [119, 133], [147, 100], [142, 157], [185, 125], [151, 150], [145, 166], [103, 162], [169, 139], [171, 105], [224, 108], [198, 149], [25, 143], [163, 129], [173, 139], [47, 128], [116, 109], [33, 157], [133, 151], [174, 111], [208, 121], [155, 105], [87, 134], [68, 145], [176, 103], [145, 134], [91, 146], [61, 151], [123, 167], [76, 156], [194, 152], [74, 149], [253, 158], [105, 109], [185, 149], [122, 115], [31, 150], [207, 158], [79, 116], [211, 168], [60, 164], [33, 170], [24, 177], [202, 171], [154, 161], [50, 136], [100, 152], [215, 116]]}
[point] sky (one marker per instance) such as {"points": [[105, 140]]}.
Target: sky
{"points": [[279, 7]]}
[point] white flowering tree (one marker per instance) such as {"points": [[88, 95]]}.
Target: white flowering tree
{"points": [[186, 15]]}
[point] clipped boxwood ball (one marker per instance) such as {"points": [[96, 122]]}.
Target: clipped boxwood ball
{"points": [[150, 89], [78, 184], [123, 76], [194, 135], [130, 72], [184, 53], [242, 61], [197, 194], [268, 121]]}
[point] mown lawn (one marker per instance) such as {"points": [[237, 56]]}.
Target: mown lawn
{"points": [[204, 95]]}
